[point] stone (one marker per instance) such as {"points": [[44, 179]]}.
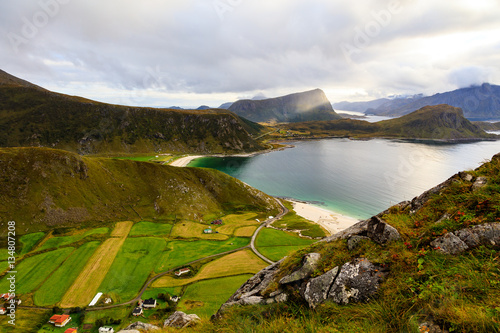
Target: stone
{"points": [[465, 176], [309, 264], [449, 244], [381, 232], [445, 216], [357, 281], [480, 182], [141, 326], [488, 233], [316, 290], [353, 241], [180, 320], [430, 327], [281, 298]]}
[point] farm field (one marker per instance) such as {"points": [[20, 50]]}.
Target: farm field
{"points": [[153, 292], [237, 263], [32, 271], [115, 313], [150, 229], [30, 240], [189, 230], [245, 231], [182, 252], [3, 266], [234, 222], [25, 319], [204, 298], [56, 285], [275, 244], [133, 264], [56, 242], [86, 284]]}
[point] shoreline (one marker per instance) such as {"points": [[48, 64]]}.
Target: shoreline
{"points": [[331, 221], [184, 161]]}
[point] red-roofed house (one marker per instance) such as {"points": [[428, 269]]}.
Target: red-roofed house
{"points": [[59, 320], [182, 271], [3, 311], [71, 330]]}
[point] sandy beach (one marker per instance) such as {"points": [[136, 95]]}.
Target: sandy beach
{"points": [[331, 221], [184, 161]]}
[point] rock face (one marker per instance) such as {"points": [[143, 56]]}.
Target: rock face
{"points": [[180, 320], [305, 106], [375, 229], [141, 326], [309, 264], [465, 239]]}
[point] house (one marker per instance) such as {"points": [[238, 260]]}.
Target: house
{"points": [[107, 301], [149, 303], [175, 298], [207, 231], [3, 311], [71, 330], [106, 330], [137, 311], [7, 296], [182, 271], [59, 320]]}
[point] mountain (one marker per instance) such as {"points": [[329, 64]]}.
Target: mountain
{"points": [[305, 106], [226, 105], [477, 102], [439, 122], [425, 265], [43, 188], [359, 106], [32, 116]]}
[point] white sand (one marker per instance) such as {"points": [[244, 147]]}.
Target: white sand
{"points": [[184, 161], [331, 221]]}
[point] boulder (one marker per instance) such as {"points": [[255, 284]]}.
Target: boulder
{"points": [[464, 239], [142, 326], [465, 176], [357, 281], [479, 182], [449, 244], [375, 228], [309, 264], [180, 320], [316, 290]]}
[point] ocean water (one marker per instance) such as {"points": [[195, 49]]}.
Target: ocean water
{"points": [[354, 178]]}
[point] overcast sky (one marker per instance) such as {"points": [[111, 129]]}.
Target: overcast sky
{"points": [[193, 52]]}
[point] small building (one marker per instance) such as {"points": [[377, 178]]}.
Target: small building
{"points": [[182, 271], [175, 299], [106, 330], [59, 320], [108, 300], [137, 311], [7, 296], [71, 330], [207, 231], [95, 299], [149, 303], [3, 311]]}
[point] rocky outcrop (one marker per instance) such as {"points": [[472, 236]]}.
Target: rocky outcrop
{"points": [[140, 326], [180, 320], [309, 264], [465, 239], [375, 229]]}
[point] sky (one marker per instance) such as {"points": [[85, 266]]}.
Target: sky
{"points": [[189, 53]]}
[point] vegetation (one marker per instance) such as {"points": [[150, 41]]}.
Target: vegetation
{"points": [[150, 228], [292, 221], [27, 321], [56, 242], [52, 291], [131, 267], [29, 241], [275, 244]]}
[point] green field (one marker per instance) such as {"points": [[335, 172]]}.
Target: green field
{"points": [[182, 252], [56, 242], [116, 313], [133, 264], [204, 298], [136, 158], [292, 221], [153, 292], [150, 228], [26, 321], [30, 240], [58, 283], [275, 244], [3, 266], [4, 254], [32, 271]]}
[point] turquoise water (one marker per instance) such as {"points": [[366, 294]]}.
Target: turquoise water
{"points": [[355, 178]]}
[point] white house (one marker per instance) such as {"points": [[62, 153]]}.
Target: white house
{"points": [[149, 303], [182, 271], [106, 330]]}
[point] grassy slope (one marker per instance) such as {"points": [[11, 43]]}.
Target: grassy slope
{"points": [[432, 122], [275, 244], [30, 240], [459, 292], [56, 242], [30, 116], [150, 228], [46, 188]]}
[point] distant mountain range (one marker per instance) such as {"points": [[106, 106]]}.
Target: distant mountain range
{"points": [[304, 106], [31, 116], [477, 102]]}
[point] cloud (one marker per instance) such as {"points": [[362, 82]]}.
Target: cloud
{"points": [[184, 50]]}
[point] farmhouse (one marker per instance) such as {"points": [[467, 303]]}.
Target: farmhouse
{"points": [[3, 311], [175, 298], [7, 296], [137, 311], [207, 231], [182, 271], [71, 330], [59, 320], [106, 330], [149, 303]]}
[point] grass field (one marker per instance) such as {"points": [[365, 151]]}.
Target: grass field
{"points": [[292, 221], [26, 321], [275, 244], [182, 252], [135, 261], [56, 242], [188, 229], [150, 229], [153, 292], [204, 298], [4, 254], [29, 241], [116, 313], [32, 271], [86, 284], [234, 222], [241, 262], [56, 285], [3, 266], [245, 231]]}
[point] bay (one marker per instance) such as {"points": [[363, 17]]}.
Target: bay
{"points": [[354, 178]]}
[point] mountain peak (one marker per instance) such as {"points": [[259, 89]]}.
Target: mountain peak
{"points": [[7, 79]]}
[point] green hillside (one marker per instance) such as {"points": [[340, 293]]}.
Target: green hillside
{"points": [[34, 117], [42, 188]]}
